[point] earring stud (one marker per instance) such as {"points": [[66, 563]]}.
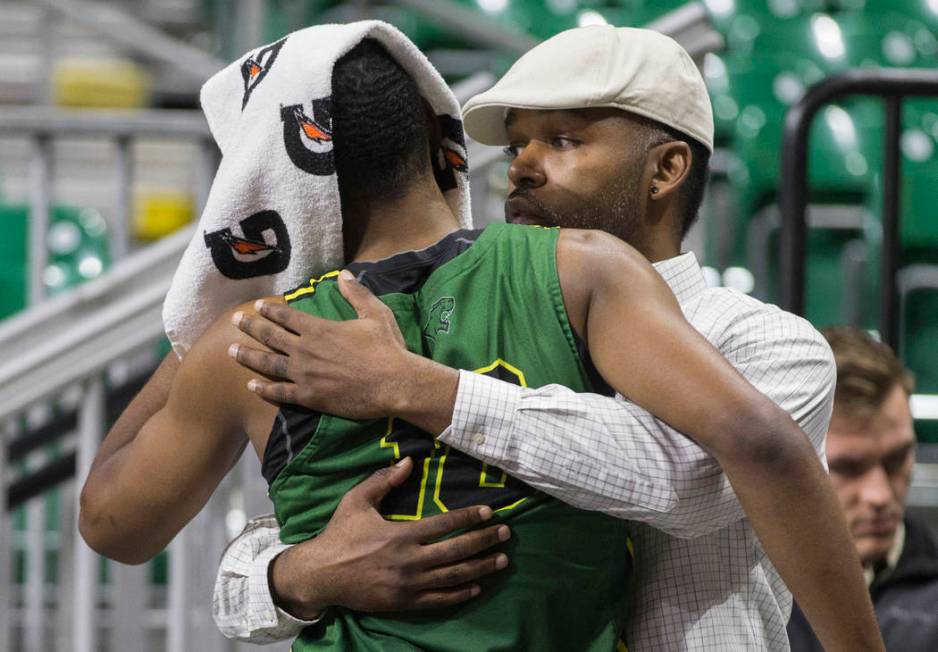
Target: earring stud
{"points": [[654, 190]]}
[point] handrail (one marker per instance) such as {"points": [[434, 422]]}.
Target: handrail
{"points": [[42, 124], [126, 123], [139, 37], [893, 85], [63, 340]]}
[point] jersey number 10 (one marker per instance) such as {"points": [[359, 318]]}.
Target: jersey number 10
{"points": [[447, 477]]}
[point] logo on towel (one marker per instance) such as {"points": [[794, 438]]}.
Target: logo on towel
{"points": [[451, 157], [308, 136], [263, 247], [256, 67]]}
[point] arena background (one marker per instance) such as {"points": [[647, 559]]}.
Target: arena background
{"points": [[105, 160]]}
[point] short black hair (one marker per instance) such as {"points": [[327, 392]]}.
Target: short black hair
{"points": [[379, 125], [692, 190]]}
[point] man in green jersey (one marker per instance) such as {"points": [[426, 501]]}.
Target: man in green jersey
{"points": [[596, 286]]}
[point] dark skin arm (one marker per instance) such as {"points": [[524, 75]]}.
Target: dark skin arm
{"points": [[661, 363], [180, 435], [366, 563], [165, 455]]}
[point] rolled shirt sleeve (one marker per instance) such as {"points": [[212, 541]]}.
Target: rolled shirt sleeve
{"points": [[242, 604]]}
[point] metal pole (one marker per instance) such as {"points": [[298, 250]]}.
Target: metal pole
{"points": [[890, 83], [6, 584], [793, 202], [205, 166], [128, 605], [34, 598], [39, 214], [892, 162], [177, 634], [46, 49], [213, 537], [64, 620], [90, 431], [251, 15], [124, 175]]}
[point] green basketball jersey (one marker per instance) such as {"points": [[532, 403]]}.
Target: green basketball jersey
{"points": [[487, 301]]}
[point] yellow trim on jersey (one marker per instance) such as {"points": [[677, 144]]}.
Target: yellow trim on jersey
{"points": [[484, 482], [386, 444], [439, 480], [420, 497], [511, 506], [621, 646], [501, 363], [483, 476], [311, 288], [423, 480]]}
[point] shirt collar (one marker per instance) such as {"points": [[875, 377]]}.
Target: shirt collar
{"points": [[892, 557], [683, 275]]}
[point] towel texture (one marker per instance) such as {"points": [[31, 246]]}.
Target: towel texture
{"points": [[273, 219]]}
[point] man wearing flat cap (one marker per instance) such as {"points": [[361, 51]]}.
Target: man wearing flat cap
{"points": [[607, 128]]}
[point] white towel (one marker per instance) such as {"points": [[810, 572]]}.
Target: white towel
{"points": [[272, 220]]}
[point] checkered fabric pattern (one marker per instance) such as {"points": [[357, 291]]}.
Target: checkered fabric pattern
{"points": [[242, 605], [701, 580]]}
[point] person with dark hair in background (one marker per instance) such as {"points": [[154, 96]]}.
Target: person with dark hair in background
{"points": [[624, 149], [871, 453]]}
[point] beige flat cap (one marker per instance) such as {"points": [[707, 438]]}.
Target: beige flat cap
{"points": [[636, 70]]}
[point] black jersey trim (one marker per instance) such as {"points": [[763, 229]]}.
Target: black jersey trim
{"points": [[406, 273], [598, 384]]}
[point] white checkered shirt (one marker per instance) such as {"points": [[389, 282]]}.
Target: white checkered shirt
{"points": [[701, 580], [242, 604]]}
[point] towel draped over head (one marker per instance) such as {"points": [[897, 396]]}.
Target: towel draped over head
{"points": [[273, 218]]}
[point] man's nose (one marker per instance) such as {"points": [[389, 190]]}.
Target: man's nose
{"points": [[876, 490], [526, 168]]}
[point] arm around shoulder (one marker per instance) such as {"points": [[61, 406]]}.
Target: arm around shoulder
{"points": [[643, 347]]}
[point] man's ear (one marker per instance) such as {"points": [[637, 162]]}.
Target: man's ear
{"points": [[674, 160], [434, 131]]}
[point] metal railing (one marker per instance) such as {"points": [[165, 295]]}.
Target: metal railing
{"points": [[42, 125], [131, 34], [73, 342], [893, 85]]}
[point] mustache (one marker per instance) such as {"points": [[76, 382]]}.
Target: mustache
{"points": [[524, 194]]}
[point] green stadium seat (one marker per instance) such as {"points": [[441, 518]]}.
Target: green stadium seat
{"points": [[918, 351], [77, 251], [920, 336]]}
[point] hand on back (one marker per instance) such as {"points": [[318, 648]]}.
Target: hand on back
{"points": [[363, 562]]}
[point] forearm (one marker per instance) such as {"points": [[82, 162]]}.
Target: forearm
{"points": [[787, 496], [135, 501], [425, 394], [153, 473], [305, 599], [100, 518], [148, 401], [593, 452]]}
